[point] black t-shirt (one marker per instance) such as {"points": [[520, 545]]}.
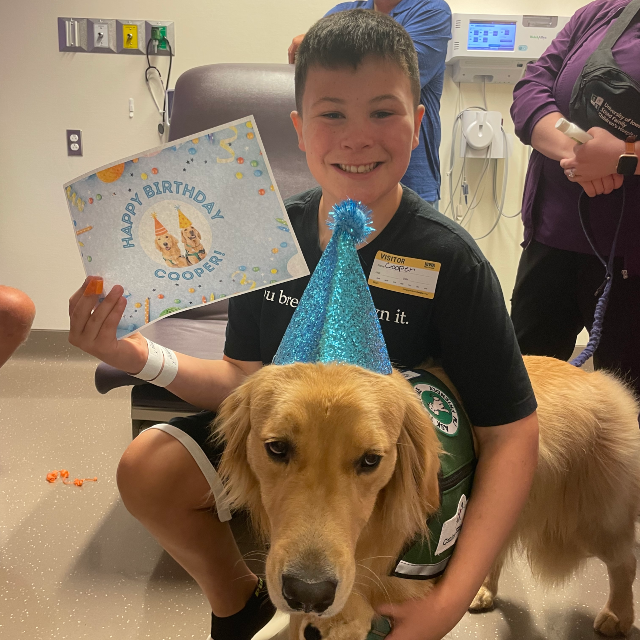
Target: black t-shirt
{"points": [[465, 326]]}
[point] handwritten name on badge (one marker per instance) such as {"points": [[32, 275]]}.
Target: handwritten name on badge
{"points": [[451, 528], [412, 276]]}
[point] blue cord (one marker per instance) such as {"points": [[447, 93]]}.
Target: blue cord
{"points": [[598, 317]]}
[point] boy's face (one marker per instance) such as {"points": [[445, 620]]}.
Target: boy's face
{"points": [[358, 128]]}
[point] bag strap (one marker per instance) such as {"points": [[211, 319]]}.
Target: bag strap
{"points": [[603, 56], [619, 26]]}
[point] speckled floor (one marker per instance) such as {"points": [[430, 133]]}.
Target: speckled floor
{"points": [[74, 565]]}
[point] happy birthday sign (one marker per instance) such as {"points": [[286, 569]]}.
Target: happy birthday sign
{"points": [[186, 224]]}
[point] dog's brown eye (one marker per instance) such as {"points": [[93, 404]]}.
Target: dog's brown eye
{"points": [[278, 449], [369, 461]]}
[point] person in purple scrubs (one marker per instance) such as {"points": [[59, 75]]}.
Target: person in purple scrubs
{"points": [[558, 274]]}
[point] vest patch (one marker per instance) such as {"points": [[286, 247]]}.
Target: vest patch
{"points": [[441, 410]]}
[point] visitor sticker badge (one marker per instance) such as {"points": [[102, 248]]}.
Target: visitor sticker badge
{"points": [[451, 528], [412, 276]]}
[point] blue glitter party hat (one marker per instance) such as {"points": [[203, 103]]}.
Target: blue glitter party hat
{"points": [[336, 320]]}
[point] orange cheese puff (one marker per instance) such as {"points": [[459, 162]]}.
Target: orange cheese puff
{"points": [[52, 477], [78, 482], [94, 287], [64, 473]]}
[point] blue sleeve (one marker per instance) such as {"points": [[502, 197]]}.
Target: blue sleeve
{"points": [[429, 25], [345, 6]]}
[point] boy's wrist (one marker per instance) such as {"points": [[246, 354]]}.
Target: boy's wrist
{"points": [[137, 354]]}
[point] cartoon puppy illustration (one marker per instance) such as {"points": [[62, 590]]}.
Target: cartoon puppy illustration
{"points": [[167, 245], [193, 249]]}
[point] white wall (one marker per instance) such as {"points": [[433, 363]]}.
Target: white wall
{"points": [[44, 92]]}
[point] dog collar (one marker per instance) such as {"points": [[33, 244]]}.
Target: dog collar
{"points": [[426, 558]]}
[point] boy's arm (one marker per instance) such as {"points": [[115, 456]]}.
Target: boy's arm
{"points": [[507, 459], [203, 383]]}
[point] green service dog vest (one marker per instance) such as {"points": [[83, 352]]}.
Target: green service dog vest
{"points": [[426, 557]]}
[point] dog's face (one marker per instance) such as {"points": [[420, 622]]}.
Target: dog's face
{"points": [[167, 243], [320, 454], [190, 234]]}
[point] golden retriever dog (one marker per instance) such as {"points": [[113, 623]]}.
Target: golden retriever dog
{"points": [[194, 251], [167, 245], [338, 467]]}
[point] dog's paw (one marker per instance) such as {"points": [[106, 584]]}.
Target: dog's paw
{"points": [[484, 600], [609, 624]]}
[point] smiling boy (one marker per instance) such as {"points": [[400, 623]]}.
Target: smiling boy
{"points": [[357, 119]]}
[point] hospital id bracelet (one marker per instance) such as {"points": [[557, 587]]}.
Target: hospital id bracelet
{"points": [[155, 360], [169, 369], [161, 367]]}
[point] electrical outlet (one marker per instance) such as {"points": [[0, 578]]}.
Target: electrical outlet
{"points": [[160, 32], [130, 36], [74, 142], [102, 36], [72, 34]]}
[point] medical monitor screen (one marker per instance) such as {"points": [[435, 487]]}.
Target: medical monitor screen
{"points": [[491, 36]]}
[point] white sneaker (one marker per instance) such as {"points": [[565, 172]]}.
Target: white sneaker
{"points": [[276, 629]]}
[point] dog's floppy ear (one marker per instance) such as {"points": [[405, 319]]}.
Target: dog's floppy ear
{"points": [[198, 234], [412, 494], [232, 426]]}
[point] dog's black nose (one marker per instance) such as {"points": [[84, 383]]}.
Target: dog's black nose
{"points": [[308, 596]]}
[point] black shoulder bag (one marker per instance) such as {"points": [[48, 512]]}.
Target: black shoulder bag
{"points": [[604, 95]]}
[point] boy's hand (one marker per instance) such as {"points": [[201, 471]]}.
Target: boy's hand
{"points": [[93, 328], [293, 47], [429, 618]]}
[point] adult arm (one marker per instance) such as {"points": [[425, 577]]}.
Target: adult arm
{"points": [[533, 96], [534, 110], [507, 459], [593, 167], [429, 25], [203, 383]]}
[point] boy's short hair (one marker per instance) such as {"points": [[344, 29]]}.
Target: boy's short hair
{"points": [[346, 38]]}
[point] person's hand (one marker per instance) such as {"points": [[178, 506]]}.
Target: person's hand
{"points": [[93, 328], [429, 618], [293, 47], [595, 159], [605, 185]]}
